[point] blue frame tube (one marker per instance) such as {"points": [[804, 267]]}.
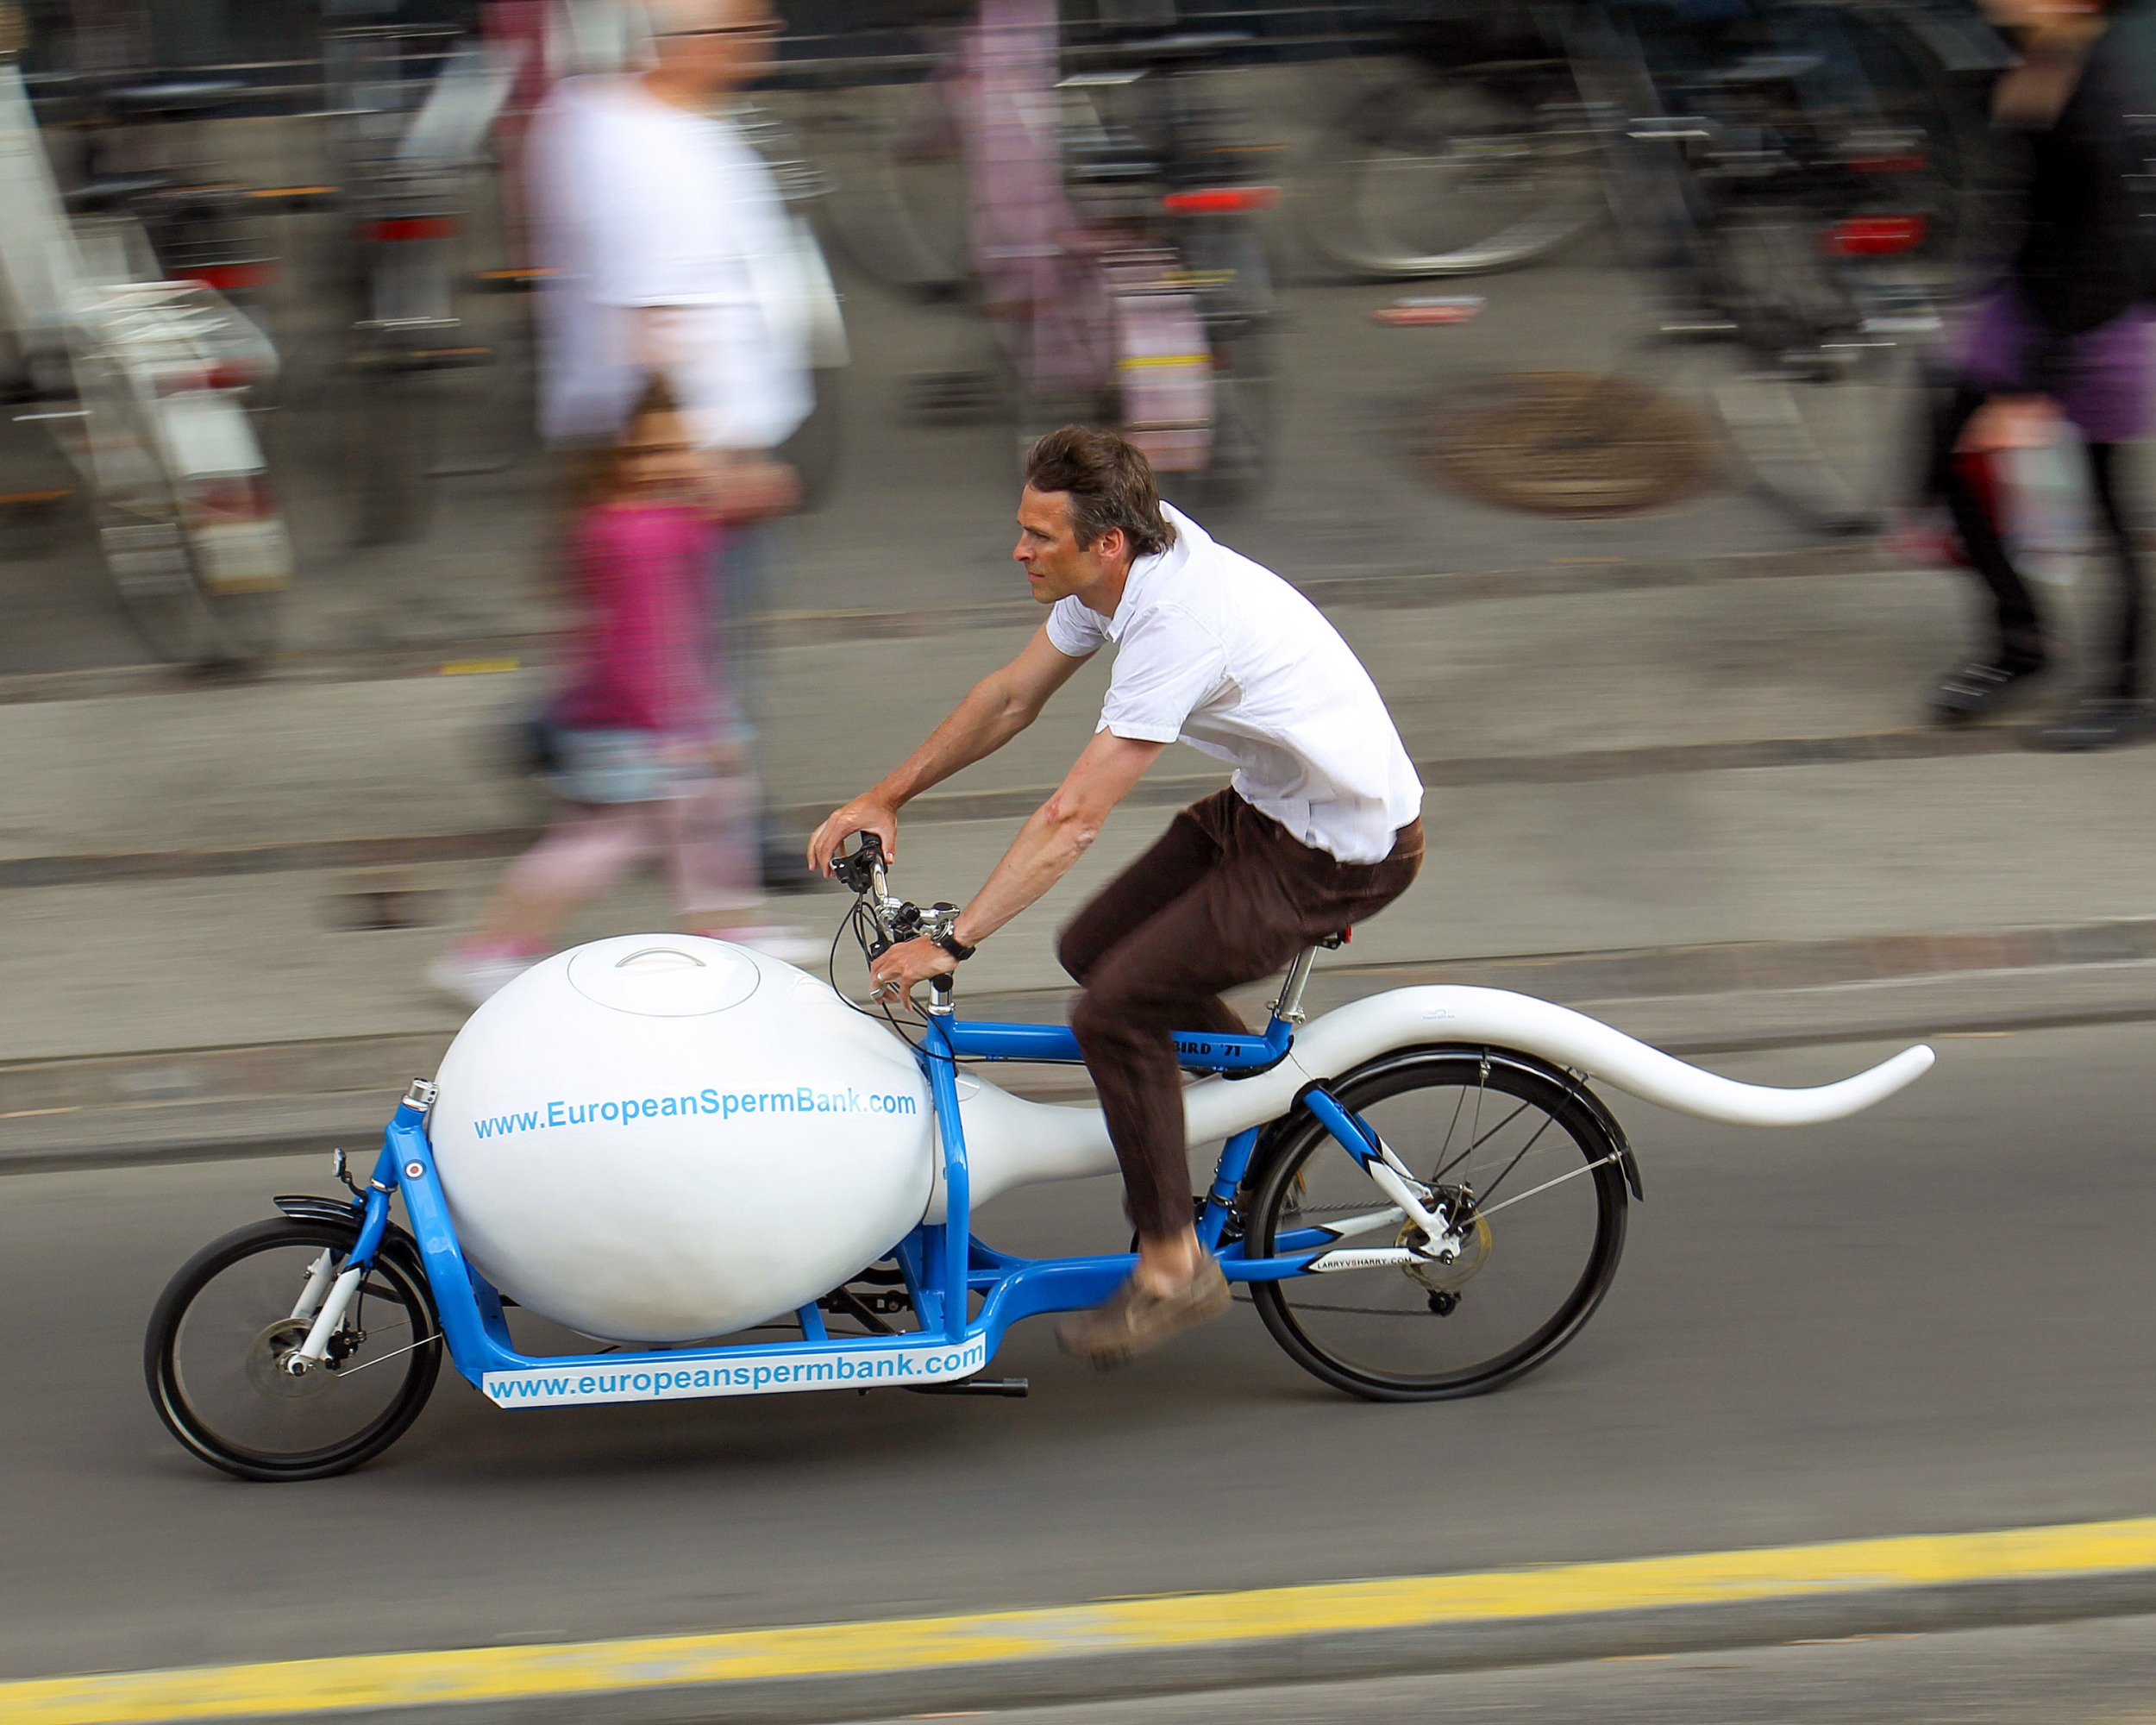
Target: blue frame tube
{"points": [[1199, 1050], [942, 1069], [943, 1265]]}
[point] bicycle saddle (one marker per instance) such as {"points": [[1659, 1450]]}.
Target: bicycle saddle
{"points": [[1762, 68], [1181, 48], [112, 191], [177, 96]]}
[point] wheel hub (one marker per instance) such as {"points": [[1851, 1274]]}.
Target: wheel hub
{"points": [[1473, 1238], [267, 1367]]}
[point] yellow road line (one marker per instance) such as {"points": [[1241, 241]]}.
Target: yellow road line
{"points": [[1183, 1622]]}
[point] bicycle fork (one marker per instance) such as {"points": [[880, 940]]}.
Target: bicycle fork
{"points": [[326, 1299]]}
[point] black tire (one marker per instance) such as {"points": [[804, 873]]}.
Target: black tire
{"points": [[1525, 1286], [900, 206], [396, 422], [1437, 174], [814, 448], [1226, 253], [1824, 416], [214, 1337], [140, 519]]}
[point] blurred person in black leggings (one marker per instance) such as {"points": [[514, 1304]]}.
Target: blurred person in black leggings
{"points": [[2062, 324]]}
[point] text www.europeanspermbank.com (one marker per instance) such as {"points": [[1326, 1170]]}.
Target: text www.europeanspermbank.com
{"points": [[710, 1378], [804, 1099]]}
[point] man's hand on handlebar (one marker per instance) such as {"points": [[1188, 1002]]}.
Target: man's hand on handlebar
{"points": [[899, 969], [862, 814]]}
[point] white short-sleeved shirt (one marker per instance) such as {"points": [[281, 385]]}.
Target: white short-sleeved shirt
{"points": [[640, 203], [1218, 652]]}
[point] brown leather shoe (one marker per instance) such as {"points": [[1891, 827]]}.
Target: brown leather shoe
{"points": [[1133, 1319]]}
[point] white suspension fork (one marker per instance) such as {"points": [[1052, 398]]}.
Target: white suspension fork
{"points": [[327, 1321], [317, 1285]]}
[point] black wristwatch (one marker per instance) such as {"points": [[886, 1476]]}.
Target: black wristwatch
{"points": [[952, 945]]}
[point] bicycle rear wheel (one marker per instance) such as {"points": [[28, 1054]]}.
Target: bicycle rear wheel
{"points": [[1227, 259], [899, 202], [143, 536], [1509, 1142], [1817, 385], [222, 1330], [1453, 174]]}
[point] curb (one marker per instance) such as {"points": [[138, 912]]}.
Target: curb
{"points": [[1176, 1644], [802, 628], [1578, 766], [90, 1111]]}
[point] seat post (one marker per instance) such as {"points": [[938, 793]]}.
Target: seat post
{"points": [[1289, 1005]]}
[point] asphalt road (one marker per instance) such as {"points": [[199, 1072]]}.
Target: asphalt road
{"points": [[2058, 1674], [1934, 1318]]}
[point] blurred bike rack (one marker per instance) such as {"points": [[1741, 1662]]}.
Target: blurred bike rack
{"points": [[414, 111], [142, 381], [612, 36]]}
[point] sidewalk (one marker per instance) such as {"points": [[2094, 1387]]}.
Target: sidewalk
{"points": [[1651, 744], [1697, 802]]}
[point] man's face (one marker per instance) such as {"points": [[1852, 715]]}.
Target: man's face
{"points": [[720, 45], [1054, 565]]}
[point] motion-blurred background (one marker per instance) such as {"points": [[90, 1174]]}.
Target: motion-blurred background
{"points": [[1585, 363]]}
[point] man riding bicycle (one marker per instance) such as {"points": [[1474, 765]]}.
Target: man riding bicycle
{"points": [[1318, 828]]}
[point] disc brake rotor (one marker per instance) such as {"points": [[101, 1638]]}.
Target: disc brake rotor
{"points": [[1444, 1278]]}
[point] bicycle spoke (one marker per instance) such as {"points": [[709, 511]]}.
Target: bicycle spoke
{"points": [[1514, 1163], [1508, 1294]]}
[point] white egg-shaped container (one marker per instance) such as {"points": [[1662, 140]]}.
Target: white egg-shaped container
{"points": [[659, 1138]]}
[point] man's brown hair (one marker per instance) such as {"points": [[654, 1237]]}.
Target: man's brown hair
{"points": [[1109, 483]]}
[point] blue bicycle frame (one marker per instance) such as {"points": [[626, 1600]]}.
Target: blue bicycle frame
{"points": [[953, 1341]]}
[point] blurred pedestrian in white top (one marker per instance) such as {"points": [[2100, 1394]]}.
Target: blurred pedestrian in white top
{"points": [[673, 254]]}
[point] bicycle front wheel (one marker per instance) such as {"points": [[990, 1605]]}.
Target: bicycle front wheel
{"points": [[1482, 169], [1516, 1148], [223, 1331], [1819, 389]]}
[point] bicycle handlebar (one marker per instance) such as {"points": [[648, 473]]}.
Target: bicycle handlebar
{"points": [[863, 874]]}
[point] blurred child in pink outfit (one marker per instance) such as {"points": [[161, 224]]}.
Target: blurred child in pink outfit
{"points": [[642, 742]]}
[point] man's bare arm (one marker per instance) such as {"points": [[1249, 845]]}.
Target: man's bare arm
{"points": [[1055, 836], [1057, 833], [997, 708]]}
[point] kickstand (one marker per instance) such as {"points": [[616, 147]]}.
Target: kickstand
{"points": [[975, 1386]]}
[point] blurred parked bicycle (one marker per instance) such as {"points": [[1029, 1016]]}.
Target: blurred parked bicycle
{"points": [[1102, 218], [1784, 175], [413, 110], [141, 380]]}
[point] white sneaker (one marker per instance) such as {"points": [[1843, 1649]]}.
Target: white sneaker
{"points": [[473, 977], [788, 945]]}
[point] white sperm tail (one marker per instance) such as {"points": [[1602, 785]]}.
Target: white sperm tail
{"points": [[1011, 1142]]}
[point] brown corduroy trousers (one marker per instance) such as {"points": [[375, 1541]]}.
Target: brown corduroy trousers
{"points": [[1227, 896]]}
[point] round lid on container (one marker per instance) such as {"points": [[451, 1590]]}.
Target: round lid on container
{"points": [[664, 978]]}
